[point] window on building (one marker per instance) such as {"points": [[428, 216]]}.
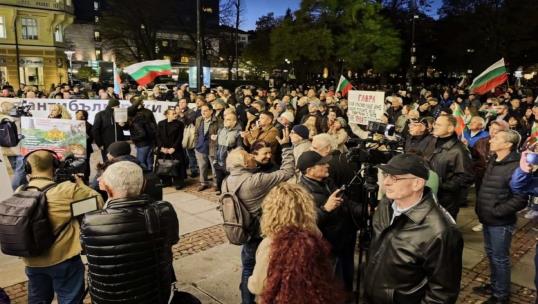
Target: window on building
{"points": [[29, 28], [165, 43], [96, 19], [58, 34], [97, 36], [98, 54], [95, 5], [68, 2], [2, 27]]}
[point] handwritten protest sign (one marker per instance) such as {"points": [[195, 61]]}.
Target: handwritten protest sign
{"points": [[365, 106]]}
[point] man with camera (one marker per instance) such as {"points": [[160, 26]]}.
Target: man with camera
{"points": [[334, 212], [59, 270], [416, 251]]}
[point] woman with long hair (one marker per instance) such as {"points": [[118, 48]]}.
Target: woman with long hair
{"points": [[292, 261]]}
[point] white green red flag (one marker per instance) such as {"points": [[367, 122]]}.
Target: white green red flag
{"points": [[343, 85], [145, 72], [458, 114], [534, 134], [491, 78]]}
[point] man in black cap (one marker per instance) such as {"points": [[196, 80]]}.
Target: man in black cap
{"points": [[416, 251], [334, 213]]}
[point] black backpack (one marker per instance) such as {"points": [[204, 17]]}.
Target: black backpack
{"points": [[25, 228], [239, 224], [9, 137]]}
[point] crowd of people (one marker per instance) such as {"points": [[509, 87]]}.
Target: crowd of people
{"points": [[286, 152]]}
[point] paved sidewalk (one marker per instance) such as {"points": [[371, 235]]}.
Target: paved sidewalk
{"points": [[209, 267]]}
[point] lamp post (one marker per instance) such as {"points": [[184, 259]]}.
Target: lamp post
{"points": [[69, 55]]}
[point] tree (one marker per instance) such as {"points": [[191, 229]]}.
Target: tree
{"points": [[350, 33], [130, 28], [231, 12], [257, 54]]}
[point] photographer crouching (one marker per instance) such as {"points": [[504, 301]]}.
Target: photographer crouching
{"points": [[416, 250]]}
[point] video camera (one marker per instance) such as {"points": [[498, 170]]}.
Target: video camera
{"points": [[69, 167], [21, 109], [378, 148]]}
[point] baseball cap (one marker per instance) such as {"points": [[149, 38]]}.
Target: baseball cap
{"points": [[310, 159], [119, 148], [406, 164]]}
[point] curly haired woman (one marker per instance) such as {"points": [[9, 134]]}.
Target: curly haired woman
{"points": [[292, 261]]}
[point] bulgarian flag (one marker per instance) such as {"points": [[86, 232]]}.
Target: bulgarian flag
{"points": [[145, 72], [458, 114], [534, 134], [491, 78], [343, 85]]}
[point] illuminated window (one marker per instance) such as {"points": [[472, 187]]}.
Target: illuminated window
{"points": [[58, 34], [2, 27], [96, 19], [95, 5], [29, 28], [97, 36], [98, 54]]}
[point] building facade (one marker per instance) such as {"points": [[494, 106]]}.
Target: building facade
{"points": [[32, 42]]}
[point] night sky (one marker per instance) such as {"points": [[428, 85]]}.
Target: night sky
{"points": [[256, 8]]}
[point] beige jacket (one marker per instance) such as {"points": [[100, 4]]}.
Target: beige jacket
{"points": [[256, 281], [59, 200]]}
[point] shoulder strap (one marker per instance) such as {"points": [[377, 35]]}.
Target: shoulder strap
{"points": [[237, 187]]}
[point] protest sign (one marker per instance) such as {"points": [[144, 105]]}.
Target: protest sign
{"points": [[59, 135], [41, 107], [365, 106]]}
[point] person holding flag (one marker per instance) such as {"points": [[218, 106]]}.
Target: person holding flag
{"points": [[344, 86]]}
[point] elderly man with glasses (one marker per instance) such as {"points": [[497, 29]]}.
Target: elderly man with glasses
{"points": [[416, 250]]}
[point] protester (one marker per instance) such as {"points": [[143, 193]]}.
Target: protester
{"points": [[452, 162], [143, 130], [254, 186], [228, 138], [292, 244], [169, 146], [205, 140], [416, 252], [135, 235], [105, 129], [496, 207]]}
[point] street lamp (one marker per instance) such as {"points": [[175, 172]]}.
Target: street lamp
{"points": [[69, 55]]}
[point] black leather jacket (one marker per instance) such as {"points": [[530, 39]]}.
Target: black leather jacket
{"points": [[129, 250], [337, 226], [452, 162], [417, 259]]}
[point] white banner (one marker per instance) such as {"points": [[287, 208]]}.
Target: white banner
{"points": [[365, 106], [41, 107]]}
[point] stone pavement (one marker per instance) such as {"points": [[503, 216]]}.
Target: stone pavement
{"points": [[209, 267]]}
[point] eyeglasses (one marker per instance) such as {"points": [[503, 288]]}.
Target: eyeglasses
{"points": [[394, 178]]}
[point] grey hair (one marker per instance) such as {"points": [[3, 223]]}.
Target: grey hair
{"points": [[511, 136], [235, 159], [124, 177], [482, 120], [324, 140]]}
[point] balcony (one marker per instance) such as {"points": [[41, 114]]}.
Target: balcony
{"points": [[57, 5]]}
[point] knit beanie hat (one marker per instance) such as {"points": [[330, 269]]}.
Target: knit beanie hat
{"points": [[119, 148], [301, 130]]}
